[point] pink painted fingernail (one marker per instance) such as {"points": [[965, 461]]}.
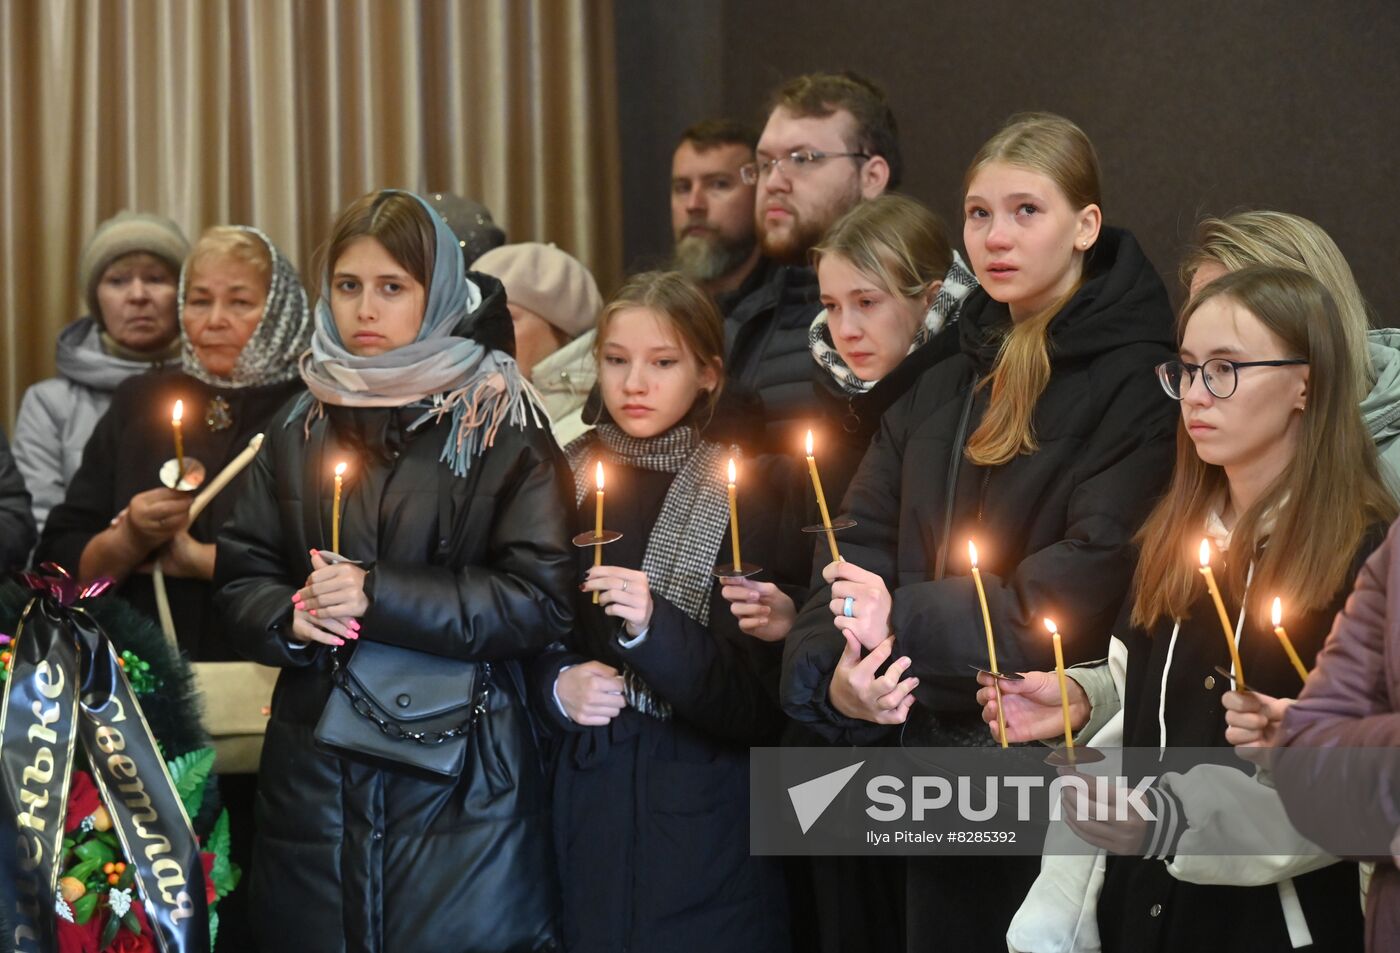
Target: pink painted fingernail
{"points": [[312, 611], [339, 641]]}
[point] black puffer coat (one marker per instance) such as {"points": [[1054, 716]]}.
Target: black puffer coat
{"points": [[766, 344], [1054, 530], [350, 857]]}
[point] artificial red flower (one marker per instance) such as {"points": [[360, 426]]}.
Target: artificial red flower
{"points": [[128, 942], [211, 893], [75, 938], [83, 799]]}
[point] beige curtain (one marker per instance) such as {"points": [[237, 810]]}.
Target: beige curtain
{"points": [[276, 113]]}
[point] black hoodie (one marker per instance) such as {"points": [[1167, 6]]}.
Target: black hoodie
{"points": [[1053, 528]]}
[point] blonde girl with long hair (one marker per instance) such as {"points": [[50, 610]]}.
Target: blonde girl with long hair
{"points": [[1043, 442]]}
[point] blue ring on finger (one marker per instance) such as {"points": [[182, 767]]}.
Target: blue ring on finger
{"points": [[849, 608]]}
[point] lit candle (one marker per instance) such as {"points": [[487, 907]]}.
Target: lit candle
{"points": [[1287, 642], [175, 419], [598, 524], [734, 515], [987, 627], [1064, 695], [821, 500], [1220, 610], [335, 508]]}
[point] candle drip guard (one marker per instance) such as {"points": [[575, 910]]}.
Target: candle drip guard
{"points": [[742, 571], [837, 526], [193, 478]]}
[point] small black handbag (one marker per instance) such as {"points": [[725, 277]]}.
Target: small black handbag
{"points": [[402, 709]]}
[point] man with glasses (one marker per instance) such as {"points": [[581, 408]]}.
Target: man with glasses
{"points": [[830, 143], [712, 208]]}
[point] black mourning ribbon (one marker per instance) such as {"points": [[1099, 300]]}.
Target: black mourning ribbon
{"points": [[66, 686]]}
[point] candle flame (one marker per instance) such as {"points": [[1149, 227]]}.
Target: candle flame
{"points": [[733, 473], [179, 412], [340, 468], [972, 553], [1050, 627], [598, 476], [809, 443], [1205, 553], [1278, 612]]}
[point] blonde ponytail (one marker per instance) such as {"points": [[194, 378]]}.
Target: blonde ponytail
{"points": [[1059, 150]]}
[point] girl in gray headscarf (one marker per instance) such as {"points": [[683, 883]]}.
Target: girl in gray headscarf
{"points": [[455, 505]]}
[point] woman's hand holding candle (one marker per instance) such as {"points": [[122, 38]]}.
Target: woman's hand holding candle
{"points": [[857, 692], [764, 611], [623, 594], [153, 518], [1116, 836], [869, 603], [328, 607], [1252, 719], [1032, 706]]}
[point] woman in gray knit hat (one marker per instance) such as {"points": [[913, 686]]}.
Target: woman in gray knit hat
{"points": [[128, 273]]}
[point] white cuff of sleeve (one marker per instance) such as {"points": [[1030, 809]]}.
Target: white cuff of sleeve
{"points": [[555, 692], [634, 642]]}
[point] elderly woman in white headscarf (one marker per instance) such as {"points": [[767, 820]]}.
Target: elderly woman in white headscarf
{"points": [[244, 323]]}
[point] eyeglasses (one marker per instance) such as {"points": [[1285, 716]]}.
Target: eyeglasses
{"points": [[1221, 376], [797, 163]]}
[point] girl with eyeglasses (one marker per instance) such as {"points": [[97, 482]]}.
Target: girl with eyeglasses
{"points": [[1267, 237], [1275, 469], [1044, 440]]}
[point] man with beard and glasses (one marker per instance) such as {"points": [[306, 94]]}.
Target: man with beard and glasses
{"points": [[712, 209], [830, 143]]}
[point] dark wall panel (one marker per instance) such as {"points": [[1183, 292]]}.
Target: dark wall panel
{"points": [[1195, 107]]}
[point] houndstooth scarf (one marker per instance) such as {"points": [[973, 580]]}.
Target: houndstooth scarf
{"points": [[957, 284], [689, 531]]}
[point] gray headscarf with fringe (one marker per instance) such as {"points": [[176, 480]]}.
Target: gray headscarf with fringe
{"points": [[283, 332], [480, 388]]}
